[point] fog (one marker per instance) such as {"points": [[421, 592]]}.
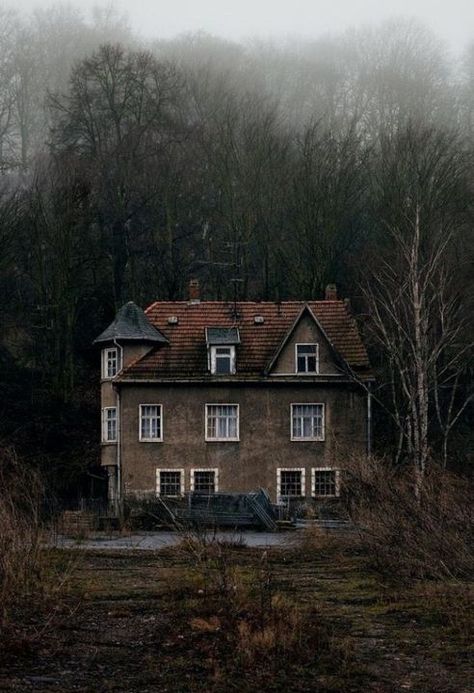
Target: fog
{"points": [[452, 21]]}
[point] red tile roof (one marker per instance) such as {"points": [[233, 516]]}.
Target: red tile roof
{"points": [[186, 354]]}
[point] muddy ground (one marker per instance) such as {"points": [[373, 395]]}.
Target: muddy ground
{"points": [[186, 620]]}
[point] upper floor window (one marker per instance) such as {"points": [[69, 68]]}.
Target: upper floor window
{"points": [[109, 425], [222, 422], [111, 362], [307, 422], [150, 426], [222, 360], [307, 358]]}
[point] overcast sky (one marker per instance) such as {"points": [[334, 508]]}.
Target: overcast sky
{"points": [[453, 20]]}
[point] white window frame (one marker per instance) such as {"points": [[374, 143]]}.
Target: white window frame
{"points": [[210, 439], [158, 481], [140, 416], [298, 439], [291, 469], [105, 421], [204, 469], [105, 362], [213, 358], [337, 480], [312, 344]]}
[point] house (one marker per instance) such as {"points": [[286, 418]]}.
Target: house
{"points": [[216, 396]]}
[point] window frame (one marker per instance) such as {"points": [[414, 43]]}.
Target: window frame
{"points": [[150, 440], [337, 480], [210, 439], [303, 344], [203, 469], [105, 361], [302, 471], [105, 421], [213, 358], [300, 439], [158, 482]]}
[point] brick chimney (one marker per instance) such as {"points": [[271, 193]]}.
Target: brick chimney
{"points": [[331, 292], [194, 291]]}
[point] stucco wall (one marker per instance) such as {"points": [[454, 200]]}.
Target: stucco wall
{"points": [[265, 430], [306, 332]]}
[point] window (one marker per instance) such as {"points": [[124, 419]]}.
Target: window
{"points": [[170, 482], [204, 480], [150, 423], [307, 358], [222, 422], [109, 425], [222, 360], [325, 481], [290, 483], [307, 422], [111, 365]]}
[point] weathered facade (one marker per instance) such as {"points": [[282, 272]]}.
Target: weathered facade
{"points": [[213, 396]]}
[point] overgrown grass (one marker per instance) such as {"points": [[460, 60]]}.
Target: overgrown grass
{"points": [[411, 534], [33, 577]]}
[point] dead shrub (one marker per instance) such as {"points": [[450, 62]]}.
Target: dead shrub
{"points": [[240, 602], [410, 535], [29, 582]]}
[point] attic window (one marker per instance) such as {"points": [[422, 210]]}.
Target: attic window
{"points": [[307, 358], [222, 360], [259, 319], [221, 342], [110, 362], [173, 320]]}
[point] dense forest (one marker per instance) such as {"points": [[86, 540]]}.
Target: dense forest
{"points": [[127, 168]]}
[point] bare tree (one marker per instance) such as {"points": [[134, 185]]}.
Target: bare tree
{"points": [[417, 321]]}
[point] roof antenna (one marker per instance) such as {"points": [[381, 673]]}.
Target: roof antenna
{"points": [[235, 281]]}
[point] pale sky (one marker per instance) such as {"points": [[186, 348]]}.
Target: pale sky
{"points": [[452, 20]]}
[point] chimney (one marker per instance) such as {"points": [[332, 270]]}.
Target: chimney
{"points": [[331, 292], [194, 291]]}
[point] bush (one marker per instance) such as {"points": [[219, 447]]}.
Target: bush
{"points": [[408, 534], [29, 584]]}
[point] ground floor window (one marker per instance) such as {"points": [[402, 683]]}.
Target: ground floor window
{"points": [[204, 480], [325, 481], [170, 482], [109, 425], [290, 483]]}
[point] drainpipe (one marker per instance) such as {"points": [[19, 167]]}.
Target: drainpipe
{"points": [[369, 420], [119, 499]]}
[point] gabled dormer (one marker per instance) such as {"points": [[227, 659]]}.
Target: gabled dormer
{"points": [[221, 349], [305, 351]]}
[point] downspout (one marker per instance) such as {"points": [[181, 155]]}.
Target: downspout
{"points": [[369, 420], [119, 499]]}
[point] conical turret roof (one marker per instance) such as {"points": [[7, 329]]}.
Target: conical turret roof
{"points": [[131, 324]]}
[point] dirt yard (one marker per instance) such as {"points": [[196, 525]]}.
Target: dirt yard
{"points": [[236, 618]]}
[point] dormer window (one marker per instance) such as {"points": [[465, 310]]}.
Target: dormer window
{"points": [[222, 360], [111, 362], [221, 343], [307, 358]]}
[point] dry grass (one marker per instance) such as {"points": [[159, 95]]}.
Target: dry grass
{"points": [[31, 583], [408, 535]]}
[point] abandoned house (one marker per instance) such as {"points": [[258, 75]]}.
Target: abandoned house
{"points": [[216, 396]]}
